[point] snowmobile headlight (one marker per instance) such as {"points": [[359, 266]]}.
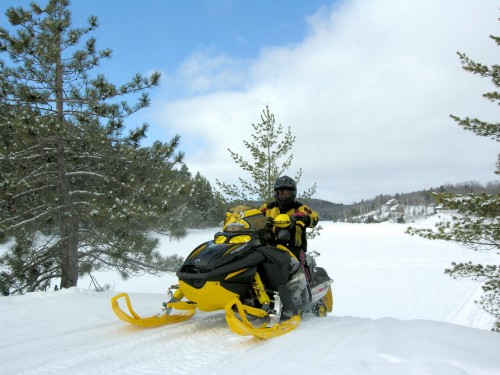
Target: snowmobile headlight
{"points": [[240, 239], [220, 239]]}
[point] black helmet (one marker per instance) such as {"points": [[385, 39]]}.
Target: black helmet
{"points": [[288, 184]]}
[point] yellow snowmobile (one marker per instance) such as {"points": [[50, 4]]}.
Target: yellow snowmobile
{"points": [[248, 272]]}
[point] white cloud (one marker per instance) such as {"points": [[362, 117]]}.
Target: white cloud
{"points": [[205, 72], [367, 93]]}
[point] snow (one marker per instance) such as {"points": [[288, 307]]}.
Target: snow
{"points": [[395, 312]]}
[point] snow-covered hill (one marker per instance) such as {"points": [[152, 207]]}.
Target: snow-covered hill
{"points": [[395, 313]]}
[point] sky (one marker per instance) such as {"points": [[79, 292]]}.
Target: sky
{"points": [[403, 316], [366, 87]]}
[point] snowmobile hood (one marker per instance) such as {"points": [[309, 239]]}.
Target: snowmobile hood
{"points": [[211, 255]]}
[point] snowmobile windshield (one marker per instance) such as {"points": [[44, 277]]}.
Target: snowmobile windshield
{"points": [[246, 220]]}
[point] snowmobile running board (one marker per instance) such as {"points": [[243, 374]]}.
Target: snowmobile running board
{"points": [[153, 321], [245, 328]]}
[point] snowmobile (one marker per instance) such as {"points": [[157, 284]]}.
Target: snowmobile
{"points": [[248, 272]]}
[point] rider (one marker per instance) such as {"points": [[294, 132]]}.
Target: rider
{"points": [[301, 217]]}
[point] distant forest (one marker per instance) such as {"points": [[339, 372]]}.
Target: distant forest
{"points": [[329, 211]]}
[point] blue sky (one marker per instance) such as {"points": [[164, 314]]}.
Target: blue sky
{"points": [[365, 86], [162, 33]]}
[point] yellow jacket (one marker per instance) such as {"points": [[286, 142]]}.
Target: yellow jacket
{"points": [[300, 212]]}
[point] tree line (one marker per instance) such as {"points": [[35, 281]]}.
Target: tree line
{"points": [[423, 200]]}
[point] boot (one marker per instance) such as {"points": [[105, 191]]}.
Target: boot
{"points": [[310, 266]]}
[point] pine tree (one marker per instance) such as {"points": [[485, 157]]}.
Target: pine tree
{"points": [[476, 224], [78, 194], [270, 151], [207, 207]]}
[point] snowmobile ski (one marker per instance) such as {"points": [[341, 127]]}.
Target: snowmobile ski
{"points": [[265, 331], [154, 321]]}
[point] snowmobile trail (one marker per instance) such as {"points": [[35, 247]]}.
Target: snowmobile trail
{"points": [[141, 350], [96, 335], [349, 345], [199, 342], [85, 338]]}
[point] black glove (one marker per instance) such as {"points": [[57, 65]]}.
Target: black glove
{"points": [[301, 217]]}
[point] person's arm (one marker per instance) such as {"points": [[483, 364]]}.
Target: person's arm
{"points": [[307, 216]]}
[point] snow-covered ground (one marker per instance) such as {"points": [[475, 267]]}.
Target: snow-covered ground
{"points": [[395, 312]]}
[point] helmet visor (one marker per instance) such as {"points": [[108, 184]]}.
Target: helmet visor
{"points": [[284, 193]]}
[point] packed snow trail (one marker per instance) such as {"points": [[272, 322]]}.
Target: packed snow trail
{"points": [[74, 332]]}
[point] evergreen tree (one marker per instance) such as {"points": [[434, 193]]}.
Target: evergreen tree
{"points": [[78, 194], [476, 225], [270, 151], [207, 207]]}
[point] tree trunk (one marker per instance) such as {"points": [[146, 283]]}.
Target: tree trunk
{"points": [[68, 223], [69, 251]]}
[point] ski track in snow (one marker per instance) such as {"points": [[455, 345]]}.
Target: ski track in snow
{"points": [[141, 350]]}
